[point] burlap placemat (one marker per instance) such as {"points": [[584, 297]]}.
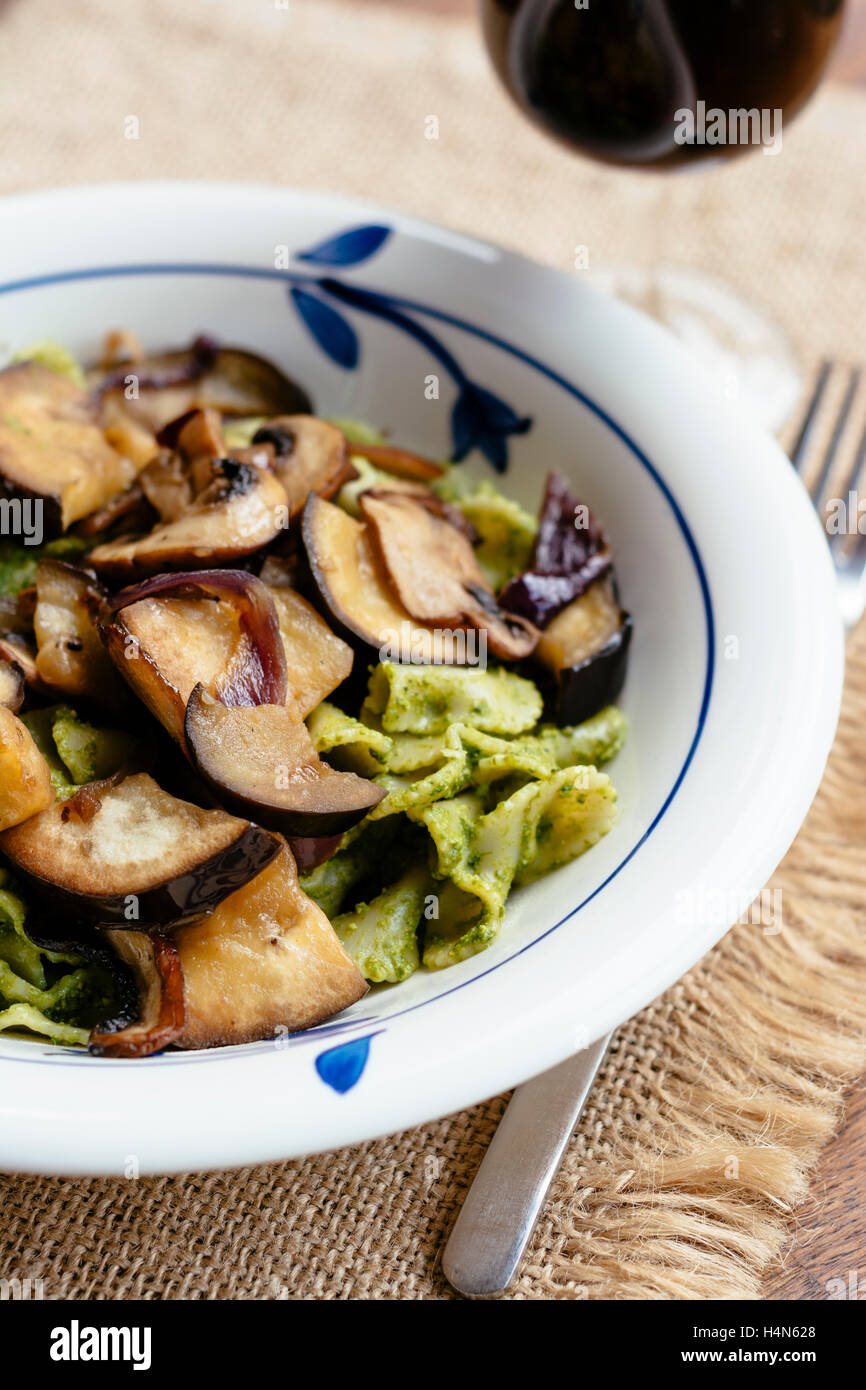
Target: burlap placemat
{"points": [[716, 1100]]}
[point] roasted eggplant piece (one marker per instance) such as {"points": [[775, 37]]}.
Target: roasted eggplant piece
{"points": [[353, 588], [317, 661], [70, 658], [128, 853], [586, 647], [309, 455], [217, 627], [266, 961], [52, 448], [436, 575], [25, 780], [157, 1017], [243, 509], [311, 851], [12, 685], [569, 555], [260, 761], [203, 376]]}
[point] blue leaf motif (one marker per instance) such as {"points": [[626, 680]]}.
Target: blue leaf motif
{"points": [[334, 335], [482, 421], [341, 1067], [348, 248]]}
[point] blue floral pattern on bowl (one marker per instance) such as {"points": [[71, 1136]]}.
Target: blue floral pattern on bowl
{"points": [[479, 418]]}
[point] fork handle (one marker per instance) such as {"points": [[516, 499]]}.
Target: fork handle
{"points": [[503, 1204]]}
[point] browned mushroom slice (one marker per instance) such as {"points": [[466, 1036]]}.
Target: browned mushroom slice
{"points": [[12, 685], [132, 854], [400, 462], [243, 509], [71, 658], [261, 762], [127, 511], [158, 1013], [195, 433], [354, 590], [309, 455], [167, 486], [436, 574], [17, 649], [317, 661], [203, 376], [267, 960], [52, 449]]}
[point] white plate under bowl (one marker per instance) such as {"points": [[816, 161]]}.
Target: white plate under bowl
{"points": [[733, 689]]}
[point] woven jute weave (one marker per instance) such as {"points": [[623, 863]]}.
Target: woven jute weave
{"points": [[715, 1101]]}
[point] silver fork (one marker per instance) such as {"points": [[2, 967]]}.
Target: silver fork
{"points": [[501, 1209]]}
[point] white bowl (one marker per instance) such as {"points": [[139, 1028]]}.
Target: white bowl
{"points": [[732, 695]]}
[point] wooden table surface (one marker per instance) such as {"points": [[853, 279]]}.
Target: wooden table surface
{"points": [[829, 1235]]}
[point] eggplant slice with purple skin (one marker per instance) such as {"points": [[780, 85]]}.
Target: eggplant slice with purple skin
{"points": [[308, 455], [70, 658], [569, 555], [266, 961], [245, 643], [159, 1013], [585, 648], [436, 575], [52, 449], [201, 377], [144, 969], [127, 852], [260, 761], [242, 510]]}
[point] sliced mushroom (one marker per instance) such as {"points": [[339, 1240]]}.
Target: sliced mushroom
{"points": [[436, 575], [354, 589], [127, 511], [167, 486], [158, 1015], [12, 685], [242, 510], [309, 455], [52, 449], [266, 961], [71, 659], [159, 388], [260, 761], [132, 854]]}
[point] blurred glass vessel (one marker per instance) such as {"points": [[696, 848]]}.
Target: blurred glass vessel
{"points": [[610, 78]]}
